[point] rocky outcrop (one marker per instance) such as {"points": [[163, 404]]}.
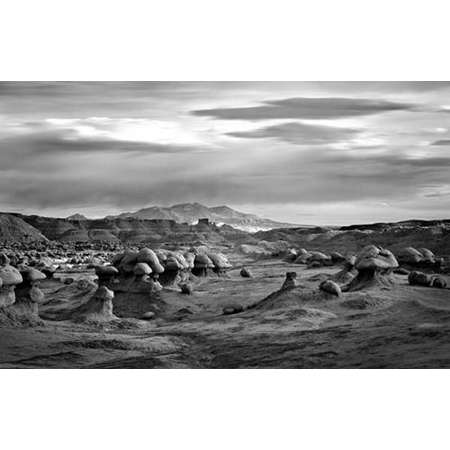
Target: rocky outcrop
{"points": [[20, 294], [330, 287], [10, 277], [417, 278], [202, 263], [375, 266], [290, 281], [14, 229], [98, 309]]}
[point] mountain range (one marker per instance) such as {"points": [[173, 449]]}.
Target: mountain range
{"points": [[191, 212]]}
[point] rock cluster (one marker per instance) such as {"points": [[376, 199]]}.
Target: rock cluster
{"points": [[314, 259], [20, 294], [418, 258], [416, 278]]}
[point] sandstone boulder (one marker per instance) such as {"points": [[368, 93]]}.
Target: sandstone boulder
{"points": [[330, 287]]}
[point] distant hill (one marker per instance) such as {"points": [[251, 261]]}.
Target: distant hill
{"points": [[15, 229], [191, 212], [431, 234], [77, 217]]}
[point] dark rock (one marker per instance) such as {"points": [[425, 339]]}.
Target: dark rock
{"points": [[290, 281], [416, 278], [438, 282], [233, 308], [186, 288]]}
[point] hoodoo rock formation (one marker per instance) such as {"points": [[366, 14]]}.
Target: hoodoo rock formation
{"points": [[98, 309], [375, 266]]}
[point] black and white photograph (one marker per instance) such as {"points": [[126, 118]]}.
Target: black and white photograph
{"points": [[224, 225]]}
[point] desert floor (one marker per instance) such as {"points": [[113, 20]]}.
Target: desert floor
{"points": [[398, 327]]}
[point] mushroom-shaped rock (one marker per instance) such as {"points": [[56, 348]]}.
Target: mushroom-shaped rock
{"points": [[106, 272], [330, 287], [203, 261], [219, 260], [372, 257], [374, 266], [142, 268], [290, 281], [32, 275], [416, 278], [245, 273], [148, 256], [10, 276], [98, 309], [427, 255], [201, 265], [409, 255]]}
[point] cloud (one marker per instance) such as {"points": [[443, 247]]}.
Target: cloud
{"points": [[61, 142], [441, 142], [299, 133], [120, 146], [306, 108]]}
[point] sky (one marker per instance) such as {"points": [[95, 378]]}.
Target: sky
{"points": [[324, 153]]}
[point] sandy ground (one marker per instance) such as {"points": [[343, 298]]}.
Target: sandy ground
{"points": [[400, 327]]}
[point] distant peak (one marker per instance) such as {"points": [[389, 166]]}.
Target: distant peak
{"points": [[77, 217], [188, 205]]}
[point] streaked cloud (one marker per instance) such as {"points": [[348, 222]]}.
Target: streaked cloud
{"points": [[299, 133], [307, 108], [441, 142]]}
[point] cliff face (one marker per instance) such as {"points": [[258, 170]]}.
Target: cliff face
{"points": [[128, 230], [15, 229]]}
